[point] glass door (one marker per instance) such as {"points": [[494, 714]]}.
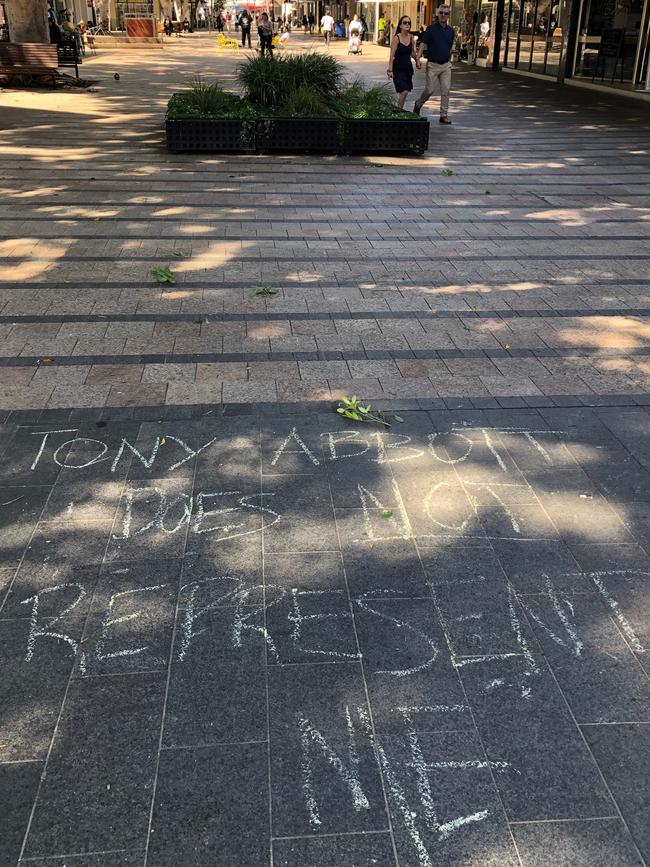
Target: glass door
{"points": [[511, 54]]}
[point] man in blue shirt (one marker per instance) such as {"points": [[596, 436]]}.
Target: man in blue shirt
{"points": [[438, 39]]}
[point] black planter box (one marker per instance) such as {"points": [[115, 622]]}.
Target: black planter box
{"points": [[292, 135], [386, 136], [205, 135], [298, 135]]}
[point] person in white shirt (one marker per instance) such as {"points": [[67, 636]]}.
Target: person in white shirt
{"points": [[327, 26], [355, 26]]}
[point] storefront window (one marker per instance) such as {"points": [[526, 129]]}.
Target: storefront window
{"points": [[598, 16], [487, 22], [512, 37], [534, 36]]}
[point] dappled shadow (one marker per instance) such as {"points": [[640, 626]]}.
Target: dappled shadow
{"points": [[102, 127], [485, 560]]}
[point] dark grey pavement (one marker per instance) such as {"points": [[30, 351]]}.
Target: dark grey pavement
{"points": [[255, 639]]}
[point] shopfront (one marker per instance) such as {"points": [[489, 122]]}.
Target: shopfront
{"points": [[603, 39], [534, 36], [597, 20]]}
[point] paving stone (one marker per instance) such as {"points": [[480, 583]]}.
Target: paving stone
{"points": [[436, 783], [406, 663], [479, 611], [217, 689], [599, 843], [18, 787], [129, 626], [111, 374], [318, 711], [104, 859], [37, 668], [394, 571], [308, 616], [300, 515], [353, 850], [552, 777], [198, 814], [151, 521], [594, 666], [20, 510], [6, 577], [622, 755], [107, 736]]}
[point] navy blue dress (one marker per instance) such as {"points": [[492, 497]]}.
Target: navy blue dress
{"points": [[403, 68]]}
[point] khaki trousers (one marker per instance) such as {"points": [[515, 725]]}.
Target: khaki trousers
{"points": [[437, 73]]}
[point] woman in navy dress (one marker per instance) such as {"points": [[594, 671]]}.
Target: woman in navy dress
{"points": [[400, 68]]}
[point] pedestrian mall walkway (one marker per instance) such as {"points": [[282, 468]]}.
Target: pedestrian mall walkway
{"points": [[522, 274], [238, 630]]}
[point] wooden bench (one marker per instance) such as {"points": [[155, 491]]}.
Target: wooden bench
{"points": [[29, 59], [67, 52]]}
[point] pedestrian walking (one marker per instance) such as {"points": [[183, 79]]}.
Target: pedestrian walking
{"points": [[245, 22], [438, 39], [381, 29], [312, 22], [364, 28], [305, 24], [400, 68], [265, 32], [327, 26]]}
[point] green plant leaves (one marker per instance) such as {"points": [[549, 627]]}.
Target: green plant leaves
{"points": [[354, 409], [163, 274], [265, 291], [447, 172]]}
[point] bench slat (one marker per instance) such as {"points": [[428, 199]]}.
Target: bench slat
{"points": [[27, 54]]}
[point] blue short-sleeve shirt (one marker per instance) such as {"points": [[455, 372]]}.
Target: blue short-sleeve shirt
{"points": [[439, 41]]}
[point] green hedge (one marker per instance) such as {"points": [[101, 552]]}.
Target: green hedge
{"points": [[305, 85]]}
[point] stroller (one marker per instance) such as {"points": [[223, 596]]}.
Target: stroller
{"points": [[355, 45]]}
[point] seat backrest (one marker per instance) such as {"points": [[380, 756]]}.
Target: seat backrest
{"points": [[66, 51], [27, 54]]}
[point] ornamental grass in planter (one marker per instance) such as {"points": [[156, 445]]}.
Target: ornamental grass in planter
{"points": [[293, 103]]}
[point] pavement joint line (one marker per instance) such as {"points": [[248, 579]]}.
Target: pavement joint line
{"points": [[390, 284], [334, 355], [353, 256], [302, 409], [302, 316], [336, 217], [285, 239]]}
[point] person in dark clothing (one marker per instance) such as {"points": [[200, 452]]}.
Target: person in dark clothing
{"points": [[312, 21], [265, 32], [400, 68], [55, 32], [438, 39], [364, 31], [245, 22]]}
